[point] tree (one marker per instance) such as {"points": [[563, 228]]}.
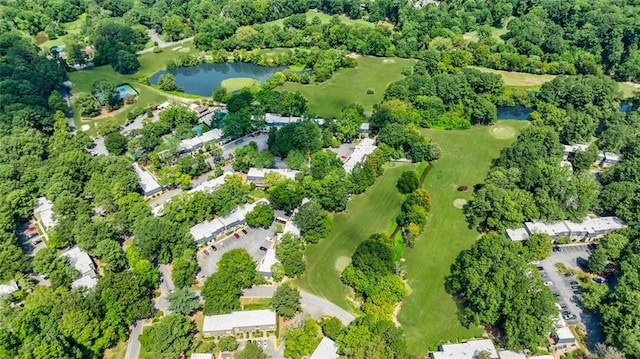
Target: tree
{"points": [[57, 103], [88, 105], [537, 247], [332, 328], [168, 338], [126, 62], [167, 82], [159, 238], [408, 182], [116, 143], [251, 351], [172, 27], [286, 195], [183, 301], [314, 222], [597, 261], [302, 340], [261, 215], [184, 269], [12, 261], [286, 301], [290, 253], [227, 343]]}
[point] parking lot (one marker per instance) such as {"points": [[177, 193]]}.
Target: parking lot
{"points": [[566, 290], [251, 241]]}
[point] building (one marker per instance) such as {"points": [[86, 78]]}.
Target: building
{"points": [[257, 175], [508, 354], [327, 349], [518, 234], [269, 260], [290, 227], [210, 185], [364, 128], [246, 322], [569, 149], [191, 144], [360, 153], [207, 230], [564, 338], [588, 228], [276, 120], [81, 261], [8, 288], [43, 211], [467, 350], [148, 184], [609, 159], [238, 216], [201, 356]]}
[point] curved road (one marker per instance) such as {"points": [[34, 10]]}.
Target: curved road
{"points": [[153, 35], [311, 304]]}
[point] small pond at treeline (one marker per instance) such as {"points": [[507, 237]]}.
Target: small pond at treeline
{"points": [[524, 113], [203, 78]]}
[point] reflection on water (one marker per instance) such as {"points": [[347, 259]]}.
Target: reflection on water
{"points": [[514, 113]]}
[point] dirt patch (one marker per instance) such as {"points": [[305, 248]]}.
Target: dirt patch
{"points": [[503, 132], [353, 55], [342, 263], [459, 203], [388, 61], [184, 49], [176, 48]]}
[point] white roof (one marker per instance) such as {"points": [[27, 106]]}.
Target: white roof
{"points": [[147, 182], [468, 350], [79, 260], [517, 235], [364, 126], [85, 281], [206, 229], [262, 172], [360, 153], [240, 213], [291, 227], [249, 318], [327, 349], [276, 119], [565, 333], [508, 354], [44, 210], [201, 356], [269, 260], [574, 148], [158, 210], [593, 225], [611, 157], [212, 184], [542, 357], [8, 288], [550, 228], [190, 144]]}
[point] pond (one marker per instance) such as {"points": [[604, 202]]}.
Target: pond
{"points": [[203, 78], [514, 113]]}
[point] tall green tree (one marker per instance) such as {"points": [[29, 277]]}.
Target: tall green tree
{"points": [[286, 301], [168, 338]]}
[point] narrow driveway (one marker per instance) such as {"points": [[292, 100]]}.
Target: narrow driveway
{"points": [[153, 35], [133, 348], [311, 304]]}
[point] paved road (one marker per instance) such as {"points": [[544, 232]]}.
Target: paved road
{"points": [[568, 255], [260, 140], [166, 284], [311, 304], [153, 35], [133, 348]]}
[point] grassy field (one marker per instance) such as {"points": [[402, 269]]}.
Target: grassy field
{"points": [[350, 85], [429, 314], [496, 32], [117, 352], [325, 18], [71, 28], [238, 83], [366, 214]]}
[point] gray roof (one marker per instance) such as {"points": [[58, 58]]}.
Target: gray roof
{"points": [[360, 153], [44, 210], [518, 234], [148, 184], [467, 350], [79, 260], [8, 288], [327, 349], [262, 172], [201, 356], [249, 318]]}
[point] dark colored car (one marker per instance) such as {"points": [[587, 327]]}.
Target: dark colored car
{"points": [[205, 252], [244, 231], [556, 248], [582, 262], [568, 274], [264, 249], [214, 248]]}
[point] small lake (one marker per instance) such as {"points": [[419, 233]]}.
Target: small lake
{"points": [[202, 79], [514, 113]]}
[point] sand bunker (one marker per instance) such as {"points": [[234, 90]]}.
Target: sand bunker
{"points": [[503, 132], [342, 263], [459, 203]]}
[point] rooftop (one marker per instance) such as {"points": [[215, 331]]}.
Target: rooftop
{"points": [[364, 126], [327, 349], [564, 333], [211, 184], [79, 260], [201, 356], [190, 144], [85, 281], [574, 148], [468, 350], [508, 354], [291, 227], [360, 153], [8, 288], [276, 119], [269, 260], [240, 213], [249, 318], [147, 182], [262, 172], [592, 225], [518, 234], [550, 228], [206, 229], [44, 210]]}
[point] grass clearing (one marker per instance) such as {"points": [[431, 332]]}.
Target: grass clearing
{"points": [[238, 83], [117, 352], [70, 27], [496, 32], [325, 18], [349, 86], [429, 315], [366, 214], [254, 303]]}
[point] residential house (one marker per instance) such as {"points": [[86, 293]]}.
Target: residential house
{"points": [[327, 349], [269, 260], [257, 175], [148, 184], [81, 261], [43, 211], [236, 323], [192, 144], [360, 153], [467, 350], [8, 288]]}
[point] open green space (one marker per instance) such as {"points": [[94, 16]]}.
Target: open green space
{"points": [[496, 32], [349, 86], [152, 62], [366, 214], [325, 18], [429, 315], [70, 27], [238, 83]]}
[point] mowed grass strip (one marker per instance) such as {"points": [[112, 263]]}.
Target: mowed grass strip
{"points": [[366, 214], [429, 315], [349, 86]]}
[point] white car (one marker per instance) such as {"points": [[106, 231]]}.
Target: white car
{"points": [[548, 283]]}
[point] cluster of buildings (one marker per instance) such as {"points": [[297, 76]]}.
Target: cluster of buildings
{"points": [[83, 263], [472, 349], [209, 230], [245, 324], [276, 120], [257, 175], [589, 228], [605, 159], [360, 153], [148, 183], [190, 145]]}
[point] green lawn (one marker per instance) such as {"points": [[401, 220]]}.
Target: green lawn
{"points": [[238, 83], [325, 18], [350, 85], [429, 314], [366, 214], [496, 32], [71, 28], [151, 62]]}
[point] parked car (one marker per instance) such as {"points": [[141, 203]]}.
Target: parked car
{"points": [[556, 248], [268, 238], [236, 235], [540, 268], [599, 280], [548, 283], [583, 263], [244, 231], [205, 252], [573, 282], [214, 248], [569, 274], [264, 249]]}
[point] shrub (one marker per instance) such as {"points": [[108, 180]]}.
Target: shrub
{"points": [[370, 91]]}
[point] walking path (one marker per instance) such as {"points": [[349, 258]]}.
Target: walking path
{"points": [[153, 35]]}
